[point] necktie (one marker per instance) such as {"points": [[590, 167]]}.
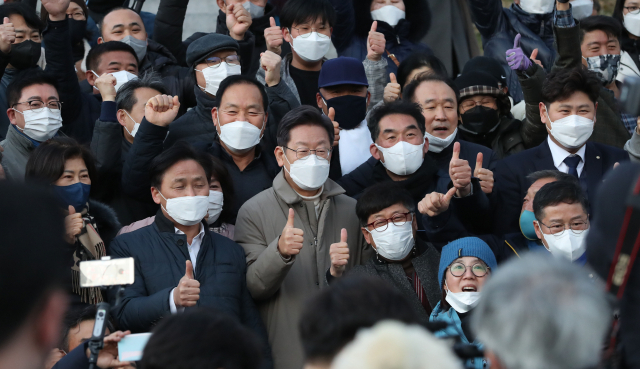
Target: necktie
{"points": [[572, 162]]}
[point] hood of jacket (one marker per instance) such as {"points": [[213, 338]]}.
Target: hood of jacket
{"points": [[414, 27], [157, 57]]}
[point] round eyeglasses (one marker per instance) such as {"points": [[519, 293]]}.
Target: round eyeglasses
{"points": [[458, 269], [399, 219]]}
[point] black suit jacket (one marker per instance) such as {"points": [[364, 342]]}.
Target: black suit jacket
{"points": [[512, 185]]}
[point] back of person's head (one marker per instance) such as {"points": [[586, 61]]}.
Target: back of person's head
{"points": [[46, 163], [72, 320], [618, 10], [239, 79], [331, 319], [560, 84], [488, 65], [126, 96], [181, 151], [301, 11], [409, 91], [419, 60], [391, 344], [27, 78], [609, 25], [554, 193], [201, 339], [402, 107], [542, 312], [32, 275], [303, 115], [381, 196], [95, 54], [551, 174], [22, 9], [221, 174]]}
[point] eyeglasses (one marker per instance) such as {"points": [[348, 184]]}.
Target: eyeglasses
{"points": [[398, 220], [632, 9], [79, 16], [577, 227], [478, 269], [305, 31], [214, 61], [37, 105], [469, 104], [303, 153]]}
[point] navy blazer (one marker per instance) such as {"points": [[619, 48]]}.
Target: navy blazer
{"points": [[512, 184]]}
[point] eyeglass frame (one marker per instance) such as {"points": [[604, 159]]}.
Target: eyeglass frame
{"points": [[305, 157], [46, 105], [564, 228], [306, 35], [637, 11], [465, 269], [406, 215], [495, 102], [221, 60]]}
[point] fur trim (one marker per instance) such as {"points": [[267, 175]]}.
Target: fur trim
{"points": [[106, 220]]}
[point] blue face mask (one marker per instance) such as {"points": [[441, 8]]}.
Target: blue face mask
{"points": [[75, 195], [526, 225]]}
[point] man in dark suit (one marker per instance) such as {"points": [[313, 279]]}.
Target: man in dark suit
{"points": [[568, 111]]}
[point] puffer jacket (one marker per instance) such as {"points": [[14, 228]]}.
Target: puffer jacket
{"points": [[507, 140], [499, 26]]}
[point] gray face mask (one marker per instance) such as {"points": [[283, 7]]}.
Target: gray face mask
{"points": [[140, 47], [256, 11]]}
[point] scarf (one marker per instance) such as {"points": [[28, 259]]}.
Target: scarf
{"points": [[89, 246]]}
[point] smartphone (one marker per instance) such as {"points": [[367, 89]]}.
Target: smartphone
{"points": [[114, 272]]}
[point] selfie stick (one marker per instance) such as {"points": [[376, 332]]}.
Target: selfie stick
{"points": [[96, 342]]}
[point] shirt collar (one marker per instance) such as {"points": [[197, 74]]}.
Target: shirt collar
{"points": [[199, 236], [559, 154]]}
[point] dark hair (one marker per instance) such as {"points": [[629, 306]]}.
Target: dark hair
{"points": [[610, 26], [409, 92], [618, 13], [73, 318], [101, 22], [44, 14], [221, 174], [551, 173], [558, 192], [397, 107], [301, 11], [381, 196], [302, 115], [561, 83], [419, 60], [201, 338], [417, 15], [95, 54], [331, 319], [178, 152], [27, 78], [47, 161], [126, 96], [25, 11], [239, 79]]}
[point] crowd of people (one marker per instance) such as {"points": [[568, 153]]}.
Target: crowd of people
{"points": [[322, 184]]}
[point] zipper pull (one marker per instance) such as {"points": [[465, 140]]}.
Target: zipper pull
{"points": [[398, 38]]}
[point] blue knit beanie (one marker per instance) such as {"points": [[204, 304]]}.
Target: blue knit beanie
{"points": [[468, 246]]}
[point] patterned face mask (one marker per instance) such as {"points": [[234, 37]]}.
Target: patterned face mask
{"points": [[606, 66]]}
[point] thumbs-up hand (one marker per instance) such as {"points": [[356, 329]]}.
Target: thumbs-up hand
{"points": [[290, 242], [436, 203], [187, 293], [73, 225], [238, 21], [273, 37], [484, 175], [7, 35], [534, 56], [460, 172], [392, 90], [271, 62], [375, 43], [336, 126], [516, 58], [162, 110], [339, 253]]}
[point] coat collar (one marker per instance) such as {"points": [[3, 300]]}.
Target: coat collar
{"points": [[290, 197], [165, 225]]}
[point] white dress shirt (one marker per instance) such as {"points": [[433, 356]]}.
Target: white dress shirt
{"points": [[559, 154], [354, 147], [193, 249]]}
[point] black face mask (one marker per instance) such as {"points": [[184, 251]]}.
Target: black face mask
{"points": [[25, 54], [480, 120], [350, 110], [77, 31]]}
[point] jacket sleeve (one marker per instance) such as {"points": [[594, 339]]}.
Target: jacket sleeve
{"points": [[360, 178], [168, 27], [266, 269], [377, 77], [246, 50], [344, 25], [106, 141], [135, 171], [76, 359], [509, 203], [533, 130], [567, 40], [60, 66], [488, 17], [137, 310], [632, 147]]}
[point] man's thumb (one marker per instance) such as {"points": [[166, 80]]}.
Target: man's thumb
{"points": [[516, 41], [189, 271], [5, 20], [534, 54], [332, 114], [374, 26], [176, 103], [456, 151], [392, 78], [291, 218], [343, 235], [272, 22], [447, 197], [72, 210], [478, 164], [615, 165]]}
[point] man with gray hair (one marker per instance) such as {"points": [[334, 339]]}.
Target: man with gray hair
{"points": [[542, 312], [113, 135]]}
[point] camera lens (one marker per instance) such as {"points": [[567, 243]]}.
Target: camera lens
{"points": [[101, 314]]}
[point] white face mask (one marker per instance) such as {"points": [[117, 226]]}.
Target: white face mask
{"points": [[568, 245], [187, 210], [239, 136], [395, 242], [632, 23], [256, 11], [215, 206], [310, 173], [581, 9], [572, 131], [136, 125], [537, 6], [213, 76], [121, 77], [389, 14], [462, 302], [43, 125], [311, 48], [437, 144], [402, 158]]}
